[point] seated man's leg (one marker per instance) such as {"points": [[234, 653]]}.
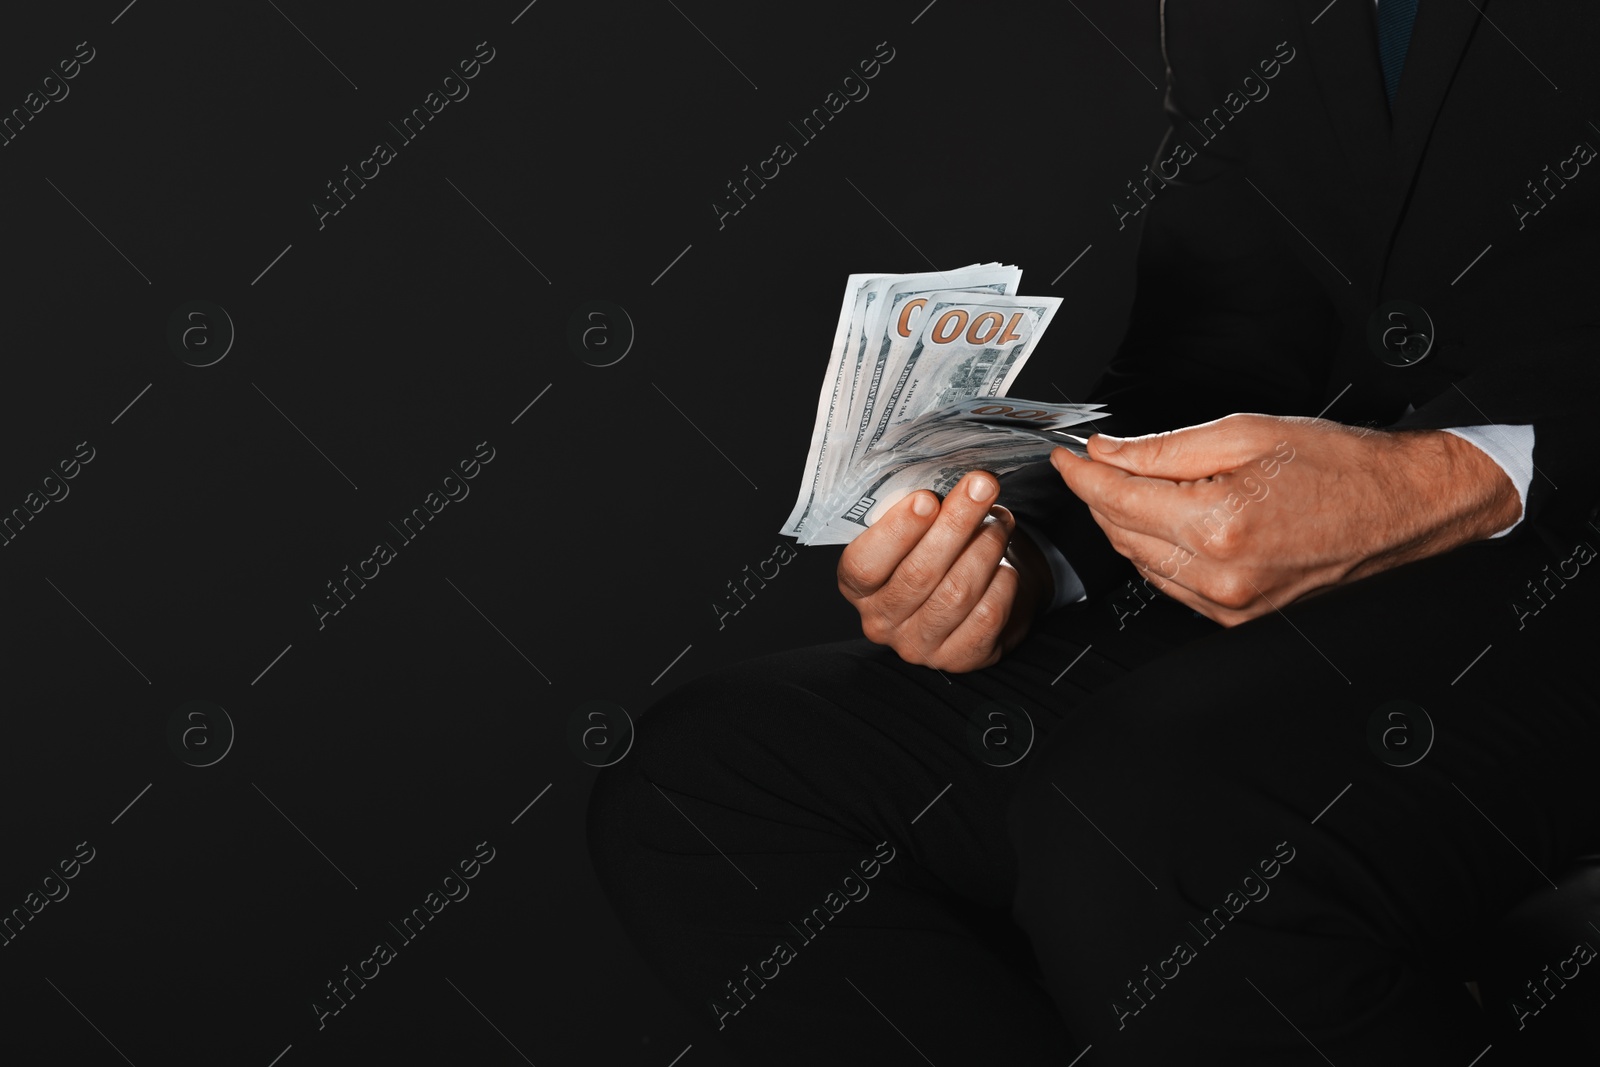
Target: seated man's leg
{"points": [[809, 848], [1216, 866]]}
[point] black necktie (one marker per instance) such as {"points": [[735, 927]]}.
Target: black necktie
{"points": [[1394, 35]]}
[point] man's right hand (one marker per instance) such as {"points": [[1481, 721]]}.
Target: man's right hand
{"points": [[936, 581]]}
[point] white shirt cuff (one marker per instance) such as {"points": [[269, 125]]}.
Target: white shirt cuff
{"points": [[1512, 448]]}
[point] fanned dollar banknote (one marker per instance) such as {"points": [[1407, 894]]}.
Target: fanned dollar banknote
{"points": [[914, 396]]}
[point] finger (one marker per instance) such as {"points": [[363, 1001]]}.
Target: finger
{"points": [[1194, 515], [1218, 590], [963, 510], [1169, 571], [1165, 564], [915, 630], [870, 560], [1192, 452], [977, 642], [1135, 502], [953, 599]]}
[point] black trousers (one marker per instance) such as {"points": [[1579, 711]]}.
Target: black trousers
{"points": [[1273, 844]]}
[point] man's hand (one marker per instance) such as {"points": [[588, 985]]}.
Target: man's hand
{"points": [[1249, 513], [935, 582]]}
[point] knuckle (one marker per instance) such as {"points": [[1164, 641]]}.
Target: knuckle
{"points": [[899, 527], [874, 629], [988, 615], [947, 658], [916, 574], [1231, 590], [950, 596], [994, 608], [1224, 542], [913, 655], [853, 576], [976, 650], [961, 513]]}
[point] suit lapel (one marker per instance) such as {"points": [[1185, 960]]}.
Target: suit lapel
{"points": [[1438, 41], [1342, 38]]}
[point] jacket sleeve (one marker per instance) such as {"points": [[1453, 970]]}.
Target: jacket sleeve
{"points": [[1552, 384]]}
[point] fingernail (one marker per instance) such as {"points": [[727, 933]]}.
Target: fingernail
{"points": [[922, 504], [1001, 514], [981, 488], [1107, 443]]}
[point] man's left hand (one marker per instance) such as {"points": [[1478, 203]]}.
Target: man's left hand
{"points": [[1248, 513]]}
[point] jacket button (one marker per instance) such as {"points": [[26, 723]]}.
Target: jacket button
{"points": [[1400, 333]]}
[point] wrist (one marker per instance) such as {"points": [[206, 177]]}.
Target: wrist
{"points": [[1462, 494]]}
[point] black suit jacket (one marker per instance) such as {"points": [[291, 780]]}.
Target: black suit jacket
{"points": [[1300, 206]]}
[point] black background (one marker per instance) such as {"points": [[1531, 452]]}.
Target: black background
{"points": [[424, 717]]}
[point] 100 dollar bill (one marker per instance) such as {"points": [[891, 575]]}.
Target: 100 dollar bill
{"points": [[849, 387], [914, 394], [996, 435]]}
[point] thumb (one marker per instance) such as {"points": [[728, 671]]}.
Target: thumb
{"points": [[1185, 454]]}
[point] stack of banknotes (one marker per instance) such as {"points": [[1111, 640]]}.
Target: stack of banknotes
{"points": [[914, 396]]}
